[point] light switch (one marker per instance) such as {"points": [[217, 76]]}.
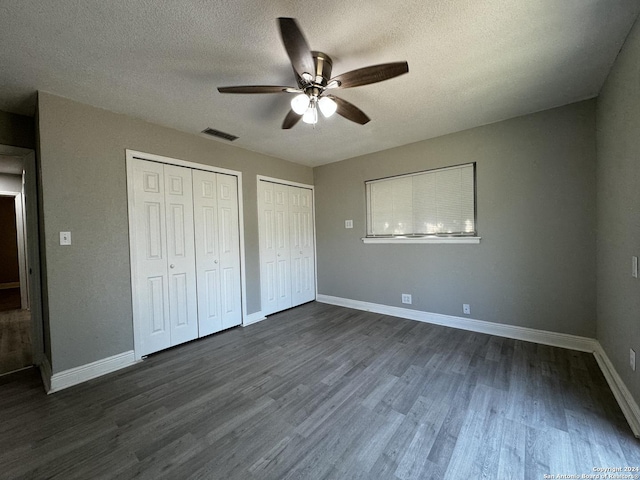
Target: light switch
{"points": [[634, 267], [65, 238], [348, 224]]}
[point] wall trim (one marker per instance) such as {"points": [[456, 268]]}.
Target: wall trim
{"points": [[281, 181], [564, 340], [74, 376], [252, 318], [627, 404], [414, 240]]}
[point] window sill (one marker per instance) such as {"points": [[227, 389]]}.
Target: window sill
{"points": [[411, 240]]}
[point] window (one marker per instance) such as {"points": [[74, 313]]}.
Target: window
{"points": [[436, 204]]}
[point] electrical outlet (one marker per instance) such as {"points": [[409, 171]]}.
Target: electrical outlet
{"points": [[466, 309], [348, 224], [406, 298], [632, 359]]}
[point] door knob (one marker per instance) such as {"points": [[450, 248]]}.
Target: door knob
{"points": [[171, 266], [215, 261], [278, 254]]}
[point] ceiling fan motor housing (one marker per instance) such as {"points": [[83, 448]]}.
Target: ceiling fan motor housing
{"points": [[323, 64]]}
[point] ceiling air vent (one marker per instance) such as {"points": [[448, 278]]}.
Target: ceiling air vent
{"points": [[217, 133]]}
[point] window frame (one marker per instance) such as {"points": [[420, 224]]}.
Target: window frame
{"points": [[461, 238]]}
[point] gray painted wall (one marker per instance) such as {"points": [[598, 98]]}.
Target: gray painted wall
{"points": [[536, 192], [82, 158], [618, 138]]}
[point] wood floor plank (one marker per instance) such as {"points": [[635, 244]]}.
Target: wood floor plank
{"points": [[512, 451], [323, 392]]}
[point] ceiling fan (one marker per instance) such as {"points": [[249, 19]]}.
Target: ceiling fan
{"points": [[313, 75]]}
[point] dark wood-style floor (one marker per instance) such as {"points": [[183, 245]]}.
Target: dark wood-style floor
{"points": [[324, 392], [15, 340]]}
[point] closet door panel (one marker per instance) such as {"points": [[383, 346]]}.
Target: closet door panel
{"points": [[180, 254], [229, 241], [151, 303], [282, 246], [268, 255], [207, 251], [302, 246]]}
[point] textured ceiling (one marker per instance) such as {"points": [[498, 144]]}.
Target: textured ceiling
{"points": [[471, 62]]}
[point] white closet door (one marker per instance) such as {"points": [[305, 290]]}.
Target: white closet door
{"points": [[217, 251], [268, 266], [287, 252], [275, 283], [185, 252], [303, 274], [229, 249], [208, 259], [151, 302], [183, 308], [282, 246]]}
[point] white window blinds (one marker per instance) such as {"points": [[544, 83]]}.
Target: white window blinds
{"points": [[436, 202]]}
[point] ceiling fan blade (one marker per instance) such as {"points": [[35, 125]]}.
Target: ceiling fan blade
{"points": [[349, 110], [296, 46], [257, 89], [290, 120], [372, 74]]}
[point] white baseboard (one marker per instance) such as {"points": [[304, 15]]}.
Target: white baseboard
{"points": [[80, 374], [253, 318], [45, 373], [627, 404], [620, 391], [572, 342]]}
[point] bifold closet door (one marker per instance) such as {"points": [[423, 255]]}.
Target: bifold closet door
{"points": [[217, 251], [275, 265], [287, 260], [303, 272], [181, 255], [164, 269]]}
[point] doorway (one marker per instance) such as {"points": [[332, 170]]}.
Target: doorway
{"points": [[21, 338], [9, 257]]}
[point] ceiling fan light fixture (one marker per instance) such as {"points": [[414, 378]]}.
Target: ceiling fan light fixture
{"points": [[327, 106], [311, 115], [300, 103]]}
